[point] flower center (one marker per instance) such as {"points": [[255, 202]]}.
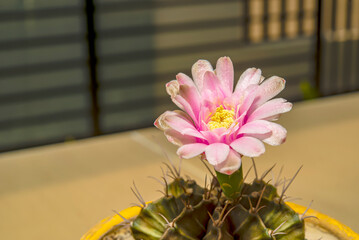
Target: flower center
{"points": [[221, 118]]}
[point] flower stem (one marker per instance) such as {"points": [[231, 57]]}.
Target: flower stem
{"points": [[231, 184]]}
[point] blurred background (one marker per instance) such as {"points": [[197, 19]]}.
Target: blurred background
{"points": [[72, 69]]}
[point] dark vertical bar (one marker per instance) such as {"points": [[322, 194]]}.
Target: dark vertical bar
{"points": [[333, 44], [318, 54], [355, 52], [246, 21], [353, 45], [348, 51], [334, 12], [349, 15], [92, 63], [266, 19], [283, 18], [301, 17]]}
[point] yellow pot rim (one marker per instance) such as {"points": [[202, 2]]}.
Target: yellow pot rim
{"points": [[338, 229], [324, 221]]}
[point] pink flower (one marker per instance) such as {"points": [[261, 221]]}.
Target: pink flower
{"points": [[218, 123]]}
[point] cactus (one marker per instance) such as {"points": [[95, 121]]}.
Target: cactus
{"points": [[188, 212], [221, 124]]}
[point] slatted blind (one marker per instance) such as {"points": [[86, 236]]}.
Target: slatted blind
{"points": [[340, 46], [44, 93]]}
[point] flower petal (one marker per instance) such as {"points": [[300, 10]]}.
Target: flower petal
{"points": [[216, 153], [254, 127], [231, 164], [172, 88], [181, 125], [249, 97], [248, 146], [178, 138], [249, 77], [183, 104], [269, 89], [183, 79], [191, 150], [160, 122], [278, 136], [225, 73], [270, 109], [215, 135], [189, 93], [211, 82], [198, 70]]}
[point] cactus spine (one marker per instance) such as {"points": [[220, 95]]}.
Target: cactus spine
{"points": [[248, 211]]}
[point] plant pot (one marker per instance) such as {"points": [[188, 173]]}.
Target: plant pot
{"points": [[323, 225]]}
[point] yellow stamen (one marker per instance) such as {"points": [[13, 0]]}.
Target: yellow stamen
{"points": [[221, 118]]}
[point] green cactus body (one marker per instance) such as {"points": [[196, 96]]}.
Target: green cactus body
{"points": [[189, 212], [172, 233], [276, 214], [175, 215], [231, 184], [192, 222], [270, 191], [218, 228]]}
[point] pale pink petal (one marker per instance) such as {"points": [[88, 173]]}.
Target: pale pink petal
{"points": [[178, 138], [214, 136], [271, 108], [254, 127], [216, 153], [248, 146], [185, 95], [181, 125], [242, 100], [182, 103], [211, 100], [212, 93], [272, 118], [198, 70], [189, 92], [183, 79], [205, 115], [231, 164], [210, 136], [260, 136], [178, 121], [225, 73], [230, 101], [269, 89], [278, 136], [160, 122], [172, 88], [240, 120], [191, 150], [249, 77], [211, 82], [249, 98]]}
